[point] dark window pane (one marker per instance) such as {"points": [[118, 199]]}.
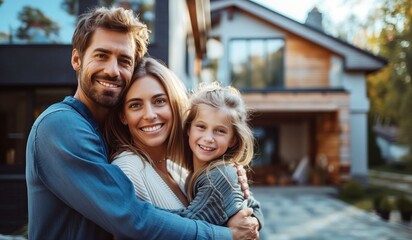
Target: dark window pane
{"points": [[16, 120], [238, 63], [13, 124], [44, 97], [266, 148], [275, 64], [256, 63], [37, 22]]}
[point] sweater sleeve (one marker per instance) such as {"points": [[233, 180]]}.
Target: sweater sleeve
{"points": [[257, 210], [218, 196]]}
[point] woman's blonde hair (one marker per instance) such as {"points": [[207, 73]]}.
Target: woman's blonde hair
{"points": [[118, 136], [227, 99]]}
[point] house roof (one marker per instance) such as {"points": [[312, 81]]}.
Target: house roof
{"points": [[355, 59], [199, 13]]}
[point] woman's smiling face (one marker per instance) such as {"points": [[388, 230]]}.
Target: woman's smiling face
{"points": [[147, 113]]}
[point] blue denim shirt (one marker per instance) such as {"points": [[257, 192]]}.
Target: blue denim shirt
{"points": [[74, 193]]}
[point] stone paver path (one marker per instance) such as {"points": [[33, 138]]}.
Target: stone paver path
{"points": [[313, 214]]}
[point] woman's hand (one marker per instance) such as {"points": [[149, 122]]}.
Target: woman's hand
{"points": [[242, 178]]}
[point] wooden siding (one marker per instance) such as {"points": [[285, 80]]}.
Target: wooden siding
{"points": [[307, 65], [328, 145], [332, 138]]}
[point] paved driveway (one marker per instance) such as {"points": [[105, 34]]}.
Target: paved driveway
{"points": [[313, 213]]}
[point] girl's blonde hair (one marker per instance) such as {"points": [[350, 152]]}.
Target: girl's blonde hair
{"points": [[229, 100], [118, 136]]}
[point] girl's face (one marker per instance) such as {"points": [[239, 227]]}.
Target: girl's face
{"points": [[210, 135], [147, 113]]}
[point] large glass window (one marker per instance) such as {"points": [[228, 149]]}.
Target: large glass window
{"points": [[145, 9], [256, 63], [16, 120], [13, 122], [37, 22]]}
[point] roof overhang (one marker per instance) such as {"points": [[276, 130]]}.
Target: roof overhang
{"points": [[355, 59], [297, 101], [199, 12]]}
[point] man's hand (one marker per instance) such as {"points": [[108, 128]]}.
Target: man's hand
{"points": [[242, 178], [243, 226]]}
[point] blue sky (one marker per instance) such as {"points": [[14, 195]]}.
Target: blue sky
{"points": [[9, 12], [339, 9], [294, 9]]}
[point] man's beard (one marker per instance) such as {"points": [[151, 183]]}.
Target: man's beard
{"points": [[106, 99]]}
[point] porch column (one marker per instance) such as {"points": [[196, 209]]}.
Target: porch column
{"points": [[355, 83], [359, 146]]}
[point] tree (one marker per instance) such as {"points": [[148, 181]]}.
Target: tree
{"points": [[386, 32], [392, 97], [34, 23], [70, 6]]}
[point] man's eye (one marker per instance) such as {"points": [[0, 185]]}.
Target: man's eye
{"points": [[100, 55], [126, 62]]}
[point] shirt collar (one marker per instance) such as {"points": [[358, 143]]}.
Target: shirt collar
{"points": [[82, 109]]}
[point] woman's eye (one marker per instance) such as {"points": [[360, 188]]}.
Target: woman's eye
{"points": [[134, 105]]}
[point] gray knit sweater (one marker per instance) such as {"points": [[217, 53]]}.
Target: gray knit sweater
{"points": [[218, 197]]}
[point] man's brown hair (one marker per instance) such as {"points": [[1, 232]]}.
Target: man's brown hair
{"points": [[115, 19]]}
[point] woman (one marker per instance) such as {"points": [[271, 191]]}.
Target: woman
{"points": [[144, 132]]}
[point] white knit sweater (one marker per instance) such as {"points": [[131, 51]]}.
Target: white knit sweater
{"points": [[148, 185]]}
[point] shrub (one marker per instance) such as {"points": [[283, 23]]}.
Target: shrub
{"points": [[385, 204], [352, 190], [403, 203], [377, 200]]}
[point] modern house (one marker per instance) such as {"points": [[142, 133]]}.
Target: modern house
{"points": [[307, 90], [35, 70]]}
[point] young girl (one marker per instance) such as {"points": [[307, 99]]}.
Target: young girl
{"points": [[218, 137]]}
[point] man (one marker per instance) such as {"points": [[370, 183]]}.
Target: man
{"points": [[73, 192]]}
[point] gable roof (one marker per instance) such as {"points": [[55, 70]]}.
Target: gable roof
{"points": [[355, 59]]}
